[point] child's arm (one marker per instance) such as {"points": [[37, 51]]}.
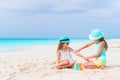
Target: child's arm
{"points": [[58, 57], [85, 46], [101, 47], [77, 53], [71, 50]]}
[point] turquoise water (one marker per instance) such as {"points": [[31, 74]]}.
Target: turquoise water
{"points": [[17, 42]]}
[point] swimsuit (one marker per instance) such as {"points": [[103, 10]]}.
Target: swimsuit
{"points": [[101, 59], [65, 55]]}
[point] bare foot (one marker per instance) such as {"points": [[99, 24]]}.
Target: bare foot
{"points": [[57, 67], [53, 67], [103, 67]]}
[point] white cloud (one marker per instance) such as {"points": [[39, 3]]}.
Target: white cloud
{"points": [[82, 7], [16, 7], [23, 4], [100, 12], [57, 5], [116, 4], [109, 10], [115, 7], [67, 5]]}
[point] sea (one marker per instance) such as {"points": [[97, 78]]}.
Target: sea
{"points": [[18, 42], [9, 44]]}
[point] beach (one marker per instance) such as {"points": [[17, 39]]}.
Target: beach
{"points": [[35, 62]]}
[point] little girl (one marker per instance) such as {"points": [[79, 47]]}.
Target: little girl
{"points": [[64, 58], [100, 53]]}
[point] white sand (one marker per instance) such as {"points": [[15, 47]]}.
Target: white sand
{"points": [[34, 63]]}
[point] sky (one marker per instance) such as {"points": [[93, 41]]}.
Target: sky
{"points": [[55, 18]]}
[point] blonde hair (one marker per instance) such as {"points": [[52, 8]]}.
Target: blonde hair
{"points": [[106, 45], [60, 45]]}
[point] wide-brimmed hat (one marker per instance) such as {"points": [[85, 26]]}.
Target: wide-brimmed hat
{"points": [[64, 39], [96, 34]]}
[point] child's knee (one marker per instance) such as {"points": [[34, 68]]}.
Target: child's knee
{"points": [[66, 61], [73, 62], [85, 65]]}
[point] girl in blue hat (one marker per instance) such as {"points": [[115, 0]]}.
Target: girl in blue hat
{"points": [[99, 60], [64, 58]]}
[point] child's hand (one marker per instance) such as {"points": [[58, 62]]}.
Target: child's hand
{"points": [[74, 52], [86, 58]]}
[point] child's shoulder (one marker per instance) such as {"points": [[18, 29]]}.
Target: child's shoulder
{"points": [[102, 42], [70, 48], [58, 51]]}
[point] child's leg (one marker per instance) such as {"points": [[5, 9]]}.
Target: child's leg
{"points": [[70, 65], [90, 65], [103, 67], [61, 64], [64, 62]]}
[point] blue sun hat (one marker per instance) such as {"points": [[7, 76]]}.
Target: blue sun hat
{"points": [[64, 39], [96, 34]]}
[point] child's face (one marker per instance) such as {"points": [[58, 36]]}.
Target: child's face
{"points": [[65, 44]]}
